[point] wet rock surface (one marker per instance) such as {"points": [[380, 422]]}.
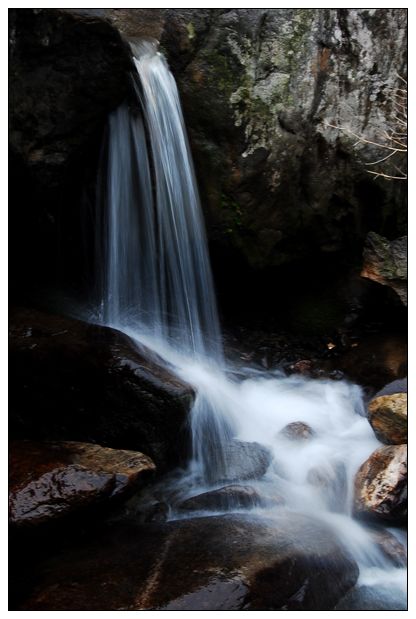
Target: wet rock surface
{"points": [[381, 485], [297, 431], [49, 481], [218, 563], [372, 598], [243, 460], [228, 497], [71, 380], [390, 546], [396, 386], [371, 360], [387, 415]]}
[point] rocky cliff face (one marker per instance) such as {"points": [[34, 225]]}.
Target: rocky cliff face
{"points": [[259, 87]]}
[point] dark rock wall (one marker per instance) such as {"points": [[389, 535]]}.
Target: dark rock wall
{"points": [[259, 87], [67, 71]]}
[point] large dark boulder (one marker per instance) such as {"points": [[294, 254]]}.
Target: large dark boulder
{"points": [[70, 380], [50, 481], [67, 69], [215, 563]]}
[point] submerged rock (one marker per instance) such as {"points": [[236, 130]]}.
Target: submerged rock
{"points": [[332, 483], [390, 546], [381, 485], [387, 415], [52, 480], [217, 563], [243, 460], [228, 497], [297, 431], [378, 597], [71, 380]]}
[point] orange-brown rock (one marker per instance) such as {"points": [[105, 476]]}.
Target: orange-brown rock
{"points": [[387, 415], [381, 485], [55, 479]]}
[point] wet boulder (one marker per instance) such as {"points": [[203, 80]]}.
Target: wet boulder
{"points": [[395, 386], [71, 380], [390, 546], [228, 497], [387, 415], [242, 460], [381, 485], [379, 597], [230, 562], [297, 431], [49, 481]]}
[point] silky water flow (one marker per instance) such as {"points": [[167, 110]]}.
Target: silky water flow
{"points": [[156, 286]]}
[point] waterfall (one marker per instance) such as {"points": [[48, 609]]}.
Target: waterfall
{"points": [[154, 266], [156, 286], [157, 268]]}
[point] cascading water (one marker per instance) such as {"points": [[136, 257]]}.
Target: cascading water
{"points": [[157, 287]]}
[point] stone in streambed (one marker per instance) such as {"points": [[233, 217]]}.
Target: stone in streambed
{"points": [[390, 546], [395, 386], [243, 460], [381, 485], [230, 562], [297, 431], [228, 497], [52, 480], [387, 415]]}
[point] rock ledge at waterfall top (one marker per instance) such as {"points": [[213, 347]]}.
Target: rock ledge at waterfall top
{"points": [[71, 380]]}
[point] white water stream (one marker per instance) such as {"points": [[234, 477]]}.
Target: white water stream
{"points": [[157, 288]]}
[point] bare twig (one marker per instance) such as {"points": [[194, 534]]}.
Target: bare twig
{"points": [[392, 139]]}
